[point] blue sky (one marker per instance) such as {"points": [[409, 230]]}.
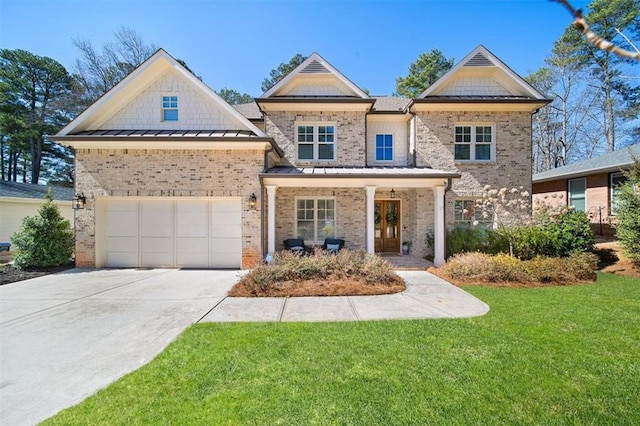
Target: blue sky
{"points": [[236, 43]]}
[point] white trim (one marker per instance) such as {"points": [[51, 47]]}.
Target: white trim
{"points": [[474, 126], [163, 109], [32, 200], [438, 226], [370, 212], [315, 199], [315, 57], [611, 188], [271, 218], [160, 145]]}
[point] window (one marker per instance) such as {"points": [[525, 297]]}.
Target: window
{"points": [[466, 213], [473, 143], [384, 147], [315, 219], [617, 179], [169, 108], [316, 142], [578, 194]]}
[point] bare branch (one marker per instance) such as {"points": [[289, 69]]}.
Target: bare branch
{"points": [[599, 42]]}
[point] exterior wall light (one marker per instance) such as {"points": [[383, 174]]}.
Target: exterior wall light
{"points": [[393, 193], [79, 201], [252, 201]]}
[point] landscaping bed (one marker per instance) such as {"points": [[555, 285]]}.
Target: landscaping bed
{"points": [[10, 274], [320, 274]]}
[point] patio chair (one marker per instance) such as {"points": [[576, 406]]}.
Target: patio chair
{"points": [[333, 245], [296, 245]]}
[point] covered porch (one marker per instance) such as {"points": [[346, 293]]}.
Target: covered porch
{"points": [[373, 208]]}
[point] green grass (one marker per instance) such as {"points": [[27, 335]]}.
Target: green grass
{"points": [[557, 355]]}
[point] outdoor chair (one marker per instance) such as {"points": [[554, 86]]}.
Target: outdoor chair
{"points": [[333, 245], [296, 245]]}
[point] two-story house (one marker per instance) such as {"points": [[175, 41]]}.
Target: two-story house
{"points": [[175, 177]]}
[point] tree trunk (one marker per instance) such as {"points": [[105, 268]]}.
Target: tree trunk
{"points": [[608, 104], [2, 148], [36, 158]]}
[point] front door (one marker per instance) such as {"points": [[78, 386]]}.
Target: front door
{"points": [[387, 226]]}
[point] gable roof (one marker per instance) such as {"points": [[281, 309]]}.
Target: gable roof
{"points": [[391, 104], [609, 162], [30, 190], [482, 63], [314, 66], [135, 83], [250, 110]]}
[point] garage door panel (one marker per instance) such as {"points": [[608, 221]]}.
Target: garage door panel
{"points": [[226, 245], [225, 231], [156, 218], [122, 244], [122, 259]]}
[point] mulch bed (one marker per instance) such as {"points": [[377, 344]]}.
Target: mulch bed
{"points": [[324, 287], [9, 274]]}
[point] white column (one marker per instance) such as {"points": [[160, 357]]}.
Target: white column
{"points": [[271, 218], [438, 224], [371, 242]]}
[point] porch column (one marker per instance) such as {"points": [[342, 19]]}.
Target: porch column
{"points": [[271, 218], [438, 232], [371, 242]]}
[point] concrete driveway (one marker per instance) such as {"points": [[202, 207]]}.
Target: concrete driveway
{"points": [[64, 336]]}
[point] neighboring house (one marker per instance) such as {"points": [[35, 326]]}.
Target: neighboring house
{"points": [[588, 185], [176, 177], [19, 200]]}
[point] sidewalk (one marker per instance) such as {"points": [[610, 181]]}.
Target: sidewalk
{"points": [[426, 296]]}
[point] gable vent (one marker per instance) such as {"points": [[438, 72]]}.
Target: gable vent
{"points": [[315, 67], [479, 61]]}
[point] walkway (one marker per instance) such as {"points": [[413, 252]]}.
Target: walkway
{"points": [[426, 296]]}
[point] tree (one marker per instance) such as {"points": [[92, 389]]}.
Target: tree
{"points": [[281, 71], [33, 104], [97, 71], [567, 128], [618, 96], [234, 97], [43, 240], [428, 68], [628, 214]]}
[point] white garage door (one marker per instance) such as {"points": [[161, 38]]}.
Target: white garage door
{"points": [[173, 233]]}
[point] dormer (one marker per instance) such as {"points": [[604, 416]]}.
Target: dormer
{"points": [[480, 82], [315, 81]]}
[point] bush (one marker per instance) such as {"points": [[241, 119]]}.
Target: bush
{"points": [[628, 214], [466, 240], [555, 232], [44, 240], [473, 268], [288, 266]]}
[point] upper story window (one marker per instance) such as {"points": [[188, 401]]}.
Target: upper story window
{"points": [[474, 143], [169, 108], [578, 194], [316, 141], [384, 147]]}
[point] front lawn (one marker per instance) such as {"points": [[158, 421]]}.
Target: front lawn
{"points": [[553, 355]]}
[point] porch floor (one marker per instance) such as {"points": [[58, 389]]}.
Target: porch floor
{"points": [[407, 262]]}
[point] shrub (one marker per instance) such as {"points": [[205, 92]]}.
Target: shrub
{"points": [[482, 268], [288, 266], [465, 240], [43, 240], [556, 231], [628, 214]]}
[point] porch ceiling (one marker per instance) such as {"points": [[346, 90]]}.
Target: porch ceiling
{"points": [[356, 177]]}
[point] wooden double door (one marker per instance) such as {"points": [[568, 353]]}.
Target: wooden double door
{"points": [[387, 226]]}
